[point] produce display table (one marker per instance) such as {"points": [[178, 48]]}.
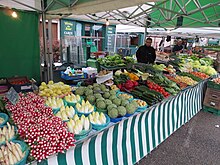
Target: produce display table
{"points": [[113, 68], [133, 138]]}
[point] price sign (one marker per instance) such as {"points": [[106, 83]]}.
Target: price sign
{"points": [[12, 96]]}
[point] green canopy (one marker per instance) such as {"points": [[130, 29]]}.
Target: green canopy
{"points": [[195, 13]]}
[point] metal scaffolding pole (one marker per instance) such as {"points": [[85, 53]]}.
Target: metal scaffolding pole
{"points": [[46, 73], [50, 54]]}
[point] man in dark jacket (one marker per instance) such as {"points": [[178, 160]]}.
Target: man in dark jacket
{"points": [[178, 48], [146, 53]]}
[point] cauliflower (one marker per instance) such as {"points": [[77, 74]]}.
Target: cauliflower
{"points": [[130, 108], [109, 107], [112, 97], [97, 95], [112, 92], [80, 91], [135, 104], [101, 105], [124, 102], [96, 89], [106, 95], [121, 111], [102, 87], [90, 86], [108, 102], [91, 99], [113, 113], [95, 85], [117, 101], [88, 92], [100, 99], [106, 90]]}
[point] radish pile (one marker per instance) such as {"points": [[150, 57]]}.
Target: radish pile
{"points": [[45, 133]]}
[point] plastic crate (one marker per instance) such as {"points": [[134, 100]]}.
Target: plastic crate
{"points": [[24, 87], [101, 126], [211, 84], [211, 110], [76, 77]]}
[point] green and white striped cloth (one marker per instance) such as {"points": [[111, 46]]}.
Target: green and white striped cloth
{"points": [[130, 140]]}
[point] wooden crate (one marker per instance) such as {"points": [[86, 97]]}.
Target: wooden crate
{"points": [[212, 98]]}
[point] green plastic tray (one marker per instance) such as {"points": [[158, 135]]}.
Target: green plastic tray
{"points": [[211, 84], [211, 110]]}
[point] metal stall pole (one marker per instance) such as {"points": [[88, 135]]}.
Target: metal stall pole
{"points": [[44, 42], [50, 54], [145, 35], [145, 29], [115, 43]]}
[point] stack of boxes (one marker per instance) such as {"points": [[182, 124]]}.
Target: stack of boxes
{"points": [[212, 98]]}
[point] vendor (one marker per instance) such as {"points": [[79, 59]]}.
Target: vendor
{"points": [[146, 53], [178, 48]]}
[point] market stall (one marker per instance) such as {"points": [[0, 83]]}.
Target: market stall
{"points": [[61, 124], [130, 140], [61, 127]]}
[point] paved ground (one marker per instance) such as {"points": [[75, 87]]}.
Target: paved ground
{"points": [[196, 143]]}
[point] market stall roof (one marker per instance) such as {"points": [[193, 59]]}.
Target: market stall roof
{"points": [[144, 13], [194, 13]]}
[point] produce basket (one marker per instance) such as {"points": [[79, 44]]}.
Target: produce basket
{"points": [[141, 108], [83, 134], [13, 138], [119, 93], [85, 114], [104, 78], [101, 110], [101, 126], [5, 117], [72, 103], [20, 84], [115, 120], [3, 89], [55, 110], [24, 148]]}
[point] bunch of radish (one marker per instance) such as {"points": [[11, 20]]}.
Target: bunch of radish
{"points": [[45, 133]]}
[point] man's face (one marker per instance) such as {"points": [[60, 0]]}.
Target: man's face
{"points": [[148, 42]]}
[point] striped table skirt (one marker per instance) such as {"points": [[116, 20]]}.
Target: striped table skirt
{"points": [[133, 138]]}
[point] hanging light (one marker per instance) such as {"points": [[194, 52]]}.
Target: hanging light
{"points": [[14, 14], [107, 22]]}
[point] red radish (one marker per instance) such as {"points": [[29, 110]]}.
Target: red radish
{"points": [[37, 125]]}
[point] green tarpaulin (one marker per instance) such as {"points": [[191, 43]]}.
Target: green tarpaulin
{"points": [[196, 13], [19, 44]]}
